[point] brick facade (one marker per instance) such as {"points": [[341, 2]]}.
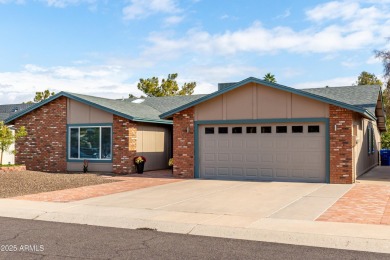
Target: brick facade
{"points": [[124, 145], [183, 143], [44, 147], [341, 149]]}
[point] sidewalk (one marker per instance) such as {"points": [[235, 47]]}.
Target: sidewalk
{"points": [[362, 237]]}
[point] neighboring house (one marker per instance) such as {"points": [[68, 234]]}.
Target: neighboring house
{"points": [[253, 129], [5, 112]]}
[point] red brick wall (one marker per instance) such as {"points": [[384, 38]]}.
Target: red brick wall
{"points": [[44, 147], [124, 145], [341, 153], [183, 143]]}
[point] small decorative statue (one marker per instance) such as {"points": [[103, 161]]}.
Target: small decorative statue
{"points": [[85, 167]]}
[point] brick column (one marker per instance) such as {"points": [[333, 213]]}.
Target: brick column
{"points": [[341, 151], [183, 143], [44, 147], [124, 134]]}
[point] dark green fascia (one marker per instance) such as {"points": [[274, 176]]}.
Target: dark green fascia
{"points": [[89, 124], [265, 121], [89, 160], [272, 85], [157, 121], [68, 95]]}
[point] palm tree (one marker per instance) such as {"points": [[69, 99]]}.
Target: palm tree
{"points": [[270, 77]]}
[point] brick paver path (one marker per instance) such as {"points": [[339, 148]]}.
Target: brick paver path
{"points": [[125, 183], [364, 203]]}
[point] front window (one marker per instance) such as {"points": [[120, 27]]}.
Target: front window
{"points": [[90, 142]]}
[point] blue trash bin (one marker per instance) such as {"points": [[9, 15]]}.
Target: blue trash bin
{"points": [[385, 157]]}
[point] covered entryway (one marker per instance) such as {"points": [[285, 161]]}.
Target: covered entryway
{"points": [[154, 142], [270, 152]]}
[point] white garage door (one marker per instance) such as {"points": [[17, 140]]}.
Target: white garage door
{"points": [[273, 152]]}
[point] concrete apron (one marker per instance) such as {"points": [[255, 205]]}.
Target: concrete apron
{"points": [[272, 212]]}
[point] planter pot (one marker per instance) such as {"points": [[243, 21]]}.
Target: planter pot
{"points": [[140, 167]]}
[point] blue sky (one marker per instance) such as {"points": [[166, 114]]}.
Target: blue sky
{"points": [[103, 47]]}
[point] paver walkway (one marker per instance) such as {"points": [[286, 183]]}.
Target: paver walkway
{"points": [[125, 183], [364, 203]]}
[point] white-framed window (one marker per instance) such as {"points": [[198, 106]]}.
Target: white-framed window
{"points": [[90, 142]]}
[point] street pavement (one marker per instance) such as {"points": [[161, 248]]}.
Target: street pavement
{"points": [[32, 239]]}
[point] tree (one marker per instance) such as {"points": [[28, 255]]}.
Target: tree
{"points": [[385, 57], [41, 95], [385, 137], [168, 87], [366, 78], [270, 77], [7, 138]]}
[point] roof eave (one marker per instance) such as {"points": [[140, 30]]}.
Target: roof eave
{"points": [[149, 120], [68, 95]]}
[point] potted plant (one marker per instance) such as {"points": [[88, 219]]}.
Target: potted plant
{"points": [[170, 162], [139, 162]]}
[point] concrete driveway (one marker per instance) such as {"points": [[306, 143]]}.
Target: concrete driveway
{"points": [[261, 211], [225, 202]]}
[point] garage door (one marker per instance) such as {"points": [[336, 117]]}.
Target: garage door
{"points": [[273, 152]]}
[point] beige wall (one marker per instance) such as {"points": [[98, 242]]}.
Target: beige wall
{"points": [[92, 167], [79, 113], [154, 142], [363, 160], [255, 101]]}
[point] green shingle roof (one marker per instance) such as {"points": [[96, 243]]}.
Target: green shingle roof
{"points": [[361, 99], [10, 109], [123, 108], [164, 104], [148, 110], [361, 96]]}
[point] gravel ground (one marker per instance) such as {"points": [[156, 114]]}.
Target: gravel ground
{"points": [[29, 182]]}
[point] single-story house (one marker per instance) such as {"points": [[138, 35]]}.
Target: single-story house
{"points": [[5, 112], [252, 129]]}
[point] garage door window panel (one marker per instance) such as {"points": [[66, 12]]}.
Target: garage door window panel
{"points": [[223, 130], [266, 130], [209, 130], [313, 129], [237, 130], [297, 129], [251, 129], [281, 129]]}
